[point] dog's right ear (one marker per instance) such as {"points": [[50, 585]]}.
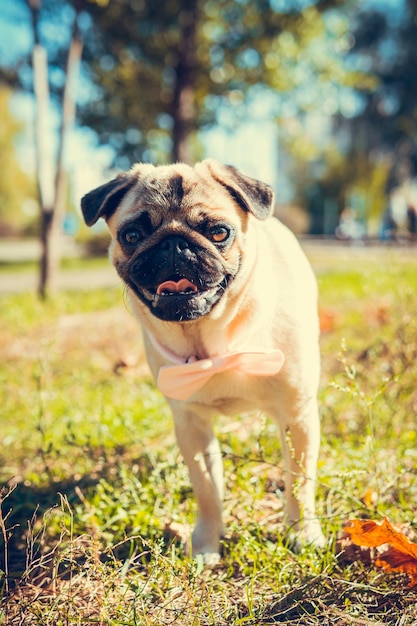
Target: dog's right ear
{"points": [[103, 201]]}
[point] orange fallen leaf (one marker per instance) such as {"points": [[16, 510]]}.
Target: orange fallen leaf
{"points": [[370, 498], [401, 556], [328, 320]]}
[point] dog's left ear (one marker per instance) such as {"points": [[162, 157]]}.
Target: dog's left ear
{"points": [[103, 201], [251, 194]]}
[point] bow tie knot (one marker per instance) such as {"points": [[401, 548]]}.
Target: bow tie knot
{"points": [[180, 382]]}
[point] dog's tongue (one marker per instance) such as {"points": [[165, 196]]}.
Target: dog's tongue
{"points": [[170, 286]]}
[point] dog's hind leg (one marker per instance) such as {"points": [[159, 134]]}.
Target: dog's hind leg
{"points": [[300, 441], [202, 455]]}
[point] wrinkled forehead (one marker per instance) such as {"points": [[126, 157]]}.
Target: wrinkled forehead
{"points": [[174, 192], [164, 191]]}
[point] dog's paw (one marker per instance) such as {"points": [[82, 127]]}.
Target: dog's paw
{"points": [[208, 560], [318, 541], [205, 542], [309, 536]]}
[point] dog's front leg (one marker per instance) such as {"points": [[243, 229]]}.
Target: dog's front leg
{"points": [[202, 455]]}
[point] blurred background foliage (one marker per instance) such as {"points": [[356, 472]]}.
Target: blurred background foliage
{"points": [[335, 78], [17, 191]]}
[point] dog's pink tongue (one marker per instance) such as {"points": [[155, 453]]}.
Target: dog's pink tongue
{"points": [[170, 286]]}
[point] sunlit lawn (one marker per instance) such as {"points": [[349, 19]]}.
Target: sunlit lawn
{"points": [[97, 502]]}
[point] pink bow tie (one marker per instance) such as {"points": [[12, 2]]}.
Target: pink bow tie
{"points": [[182, 381]]}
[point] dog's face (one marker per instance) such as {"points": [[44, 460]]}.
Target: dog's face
{"points": [[179, 234]]}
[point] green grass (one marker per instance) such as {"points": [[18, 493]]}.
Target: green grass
{"points": [[96, 500], [67, 263]]}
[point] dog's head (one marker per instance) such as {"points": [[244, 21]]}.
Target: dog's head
{"points": [[179, 233]]}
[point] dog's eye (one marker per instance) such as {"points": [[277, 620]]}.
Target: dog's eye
{"points": [[131, 237], [219, 234]]}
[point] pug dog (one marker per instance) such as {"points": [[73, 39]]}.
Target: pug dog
{"points": [[228, 306]]}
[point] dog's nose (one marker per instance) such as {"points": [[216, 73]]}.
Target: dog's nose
{"points": [[175, 243]]}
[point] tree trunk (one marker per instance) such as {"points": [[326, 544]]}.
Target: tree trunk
{"points": [[44, 159], [183, 107], [52, 194], [52, 229]]}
